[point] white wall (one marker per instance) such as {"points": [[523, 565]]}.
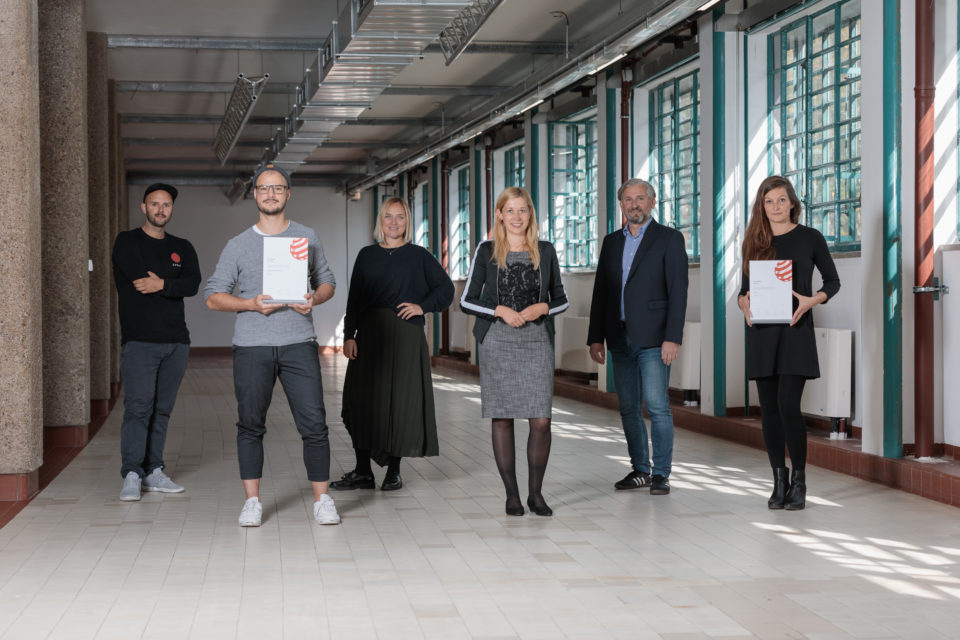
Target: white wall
{"points": [[205, 217]]}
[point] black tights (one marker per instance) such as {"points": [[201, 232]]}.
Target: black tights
{"points": [[782, 421], [538, 451], [363, 463]]}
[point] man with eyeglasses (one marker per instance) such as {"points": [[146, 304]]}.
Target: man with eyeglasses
{"points": [[273, 340], [154, 271]]}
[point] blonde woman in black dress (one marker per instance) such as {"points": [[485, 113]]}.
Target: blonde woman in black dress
{"points": [[782, 357], [388, 393], [514, 289]]}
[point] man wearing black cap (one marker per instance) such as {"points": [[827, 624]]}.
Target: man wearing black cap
{"points": [[154, 272]]}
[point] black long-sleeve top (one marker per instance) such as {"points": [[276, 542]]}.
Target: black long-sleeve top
{"points": [[154, 317], [774, 349], [384, 278]]}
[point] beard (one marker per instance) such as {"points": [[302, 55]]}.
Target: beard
{"points": [[157, 221], [636, 216], [270, 209]]}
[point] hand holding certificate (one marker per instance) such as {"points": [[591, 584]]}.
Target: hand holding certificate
{"points": [[771, 291], [285, 270]]}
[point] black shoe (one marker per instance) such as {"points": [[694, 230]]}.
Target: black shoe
{"points": [[660, 486], [797, 495], [354, 480], [542, 509], [514, 510], [781, 483], [633, 480], [392, 481]]}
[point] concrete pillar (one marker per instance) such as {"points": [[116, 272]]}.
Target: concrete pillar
{"points": [[115, 209], [21, 393], [98, 165], [63, 166]]}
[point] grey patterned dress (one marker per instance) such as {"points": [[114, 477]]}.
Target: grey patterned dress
{"points": [[516, 365]]}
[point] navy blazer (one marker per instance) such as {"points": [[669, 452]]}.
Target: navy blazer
{"points": [[655, 298]]}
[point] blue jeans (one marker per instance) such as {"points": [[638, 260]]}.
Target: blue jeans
{"points": [[255, 371], [151, 372], [641, 379]]}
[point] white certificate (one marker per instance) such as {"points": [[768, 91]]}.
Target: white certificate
{"points": [[285, 269], [771, 291]]}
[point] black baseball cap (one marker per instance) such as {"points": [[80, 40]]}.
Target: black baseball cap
{"points": [[271, 167], [159, 186]]}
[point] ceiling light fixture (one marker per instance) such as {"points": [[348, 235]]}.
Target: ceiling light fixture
{"points": [[456, 36], [707, 5], [239, 108]]}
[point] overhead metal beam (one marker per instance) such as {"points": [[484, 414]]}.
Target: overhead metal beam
{"points": [[310, 44], [226, 179], [204, 142], [236, 164], [146, 118], [133, 86]]}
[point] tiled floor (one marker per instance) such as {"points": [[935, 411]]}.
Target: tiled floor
{"points": [[439, 559]]}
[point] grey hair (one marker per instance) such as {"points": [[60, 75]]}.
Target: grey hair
{"points": [[633, 182]]}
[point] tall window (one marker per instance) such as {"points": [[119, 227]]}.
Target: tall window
{"points": [[572, 224], [513, 173], [814, 100], [675, 155], [460, 225], [421, 216]]}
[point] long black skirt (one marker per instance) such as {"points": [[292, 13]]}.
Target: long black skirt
{"points": [[388, 393]]}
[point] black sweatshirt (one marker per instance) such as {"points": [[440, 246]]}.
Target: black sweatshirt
{"points": [[384, 278], [154, 317]]}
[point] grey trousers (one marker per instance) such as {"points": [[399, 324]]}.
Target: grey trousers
{"points": [[151, 372], [255, 371]]}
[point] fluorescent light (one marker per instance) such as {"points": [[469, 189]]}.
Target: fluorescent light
{"points": [[610, 62], [707, 5]]}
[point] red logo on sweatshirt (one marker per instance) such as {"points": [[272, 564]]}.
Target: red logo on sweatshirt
{"points": [[175, 257], [299, 248], [784, 270]]}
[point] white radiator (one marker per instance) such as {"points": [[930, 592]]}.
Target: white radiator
{"points": [[458, 331], [951, 348], [685, 370], [570, 344], [830, 394]]}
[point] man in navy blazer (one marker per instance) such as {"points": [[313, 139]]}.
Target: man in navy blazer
{"points": [[638, 308]]}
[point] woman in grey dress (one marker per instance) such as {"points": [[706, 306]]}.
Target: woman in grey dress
{"points": [[514, 289]]}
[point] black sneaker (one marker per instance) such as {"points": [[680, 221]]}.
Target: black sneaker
{"points": [[660, 486], [354, 480], [633, 480]]}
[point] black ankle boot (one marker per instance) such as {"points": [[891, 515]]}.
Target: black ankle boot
{"points": [[781, 483], [797, 495]]}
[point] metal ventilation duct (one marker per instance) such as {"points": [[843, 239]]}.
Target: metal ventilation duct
{"points": [[371, 42]]}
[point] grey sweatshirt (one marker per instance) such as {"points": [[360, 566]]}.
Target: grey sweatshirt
{"points": [[240, 272]]}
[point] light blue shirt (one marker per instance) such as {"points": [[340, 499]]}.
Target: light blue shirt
{"points": [[630, 245]]}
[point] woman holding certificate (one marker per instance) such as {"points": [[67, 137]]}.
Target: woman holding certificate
{"points": [[388, 394], [514, 289], [782, 354]]}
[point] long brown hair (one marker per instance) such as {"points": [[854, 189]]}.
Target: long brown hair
{"points": [[758, 238], [500, 245]]}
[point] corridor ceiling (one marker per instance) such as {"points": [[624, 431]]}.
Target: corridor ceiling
{"points": [[175, 64]]}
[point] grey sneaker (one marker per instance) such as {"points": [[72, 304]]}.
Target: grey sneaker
{"points": [[158, 481], [252, 513], [131, 487], [325, 511]]}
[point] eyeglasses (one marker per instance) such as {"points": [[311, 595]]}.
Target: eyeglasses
{"points": [[276, 188]]}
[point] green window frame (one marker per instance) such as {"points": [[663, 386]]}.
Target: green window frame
{"points": [[573, 170], [514, 174], [422, 226], [813, 119], [460, 226], [675, 155]]}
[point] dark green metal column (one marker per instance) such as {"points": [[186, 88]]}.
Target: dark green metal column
{"points": [[892, 289], [535, 164], [610, 204], [719, 213]]}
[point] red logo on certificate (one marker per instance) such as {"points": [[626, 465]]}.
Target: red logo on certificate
{"points": [[299, 248], [175, 257], [784, 270]]}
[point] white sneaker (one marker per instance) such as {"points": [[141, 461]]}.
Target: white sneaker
{"points": [[159, 481], [325, 511], [252, 513], [130, 492]]}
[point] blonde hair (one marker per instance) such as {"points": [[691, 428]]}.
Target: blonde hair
{"points": [[378, 230], [500, 245]]}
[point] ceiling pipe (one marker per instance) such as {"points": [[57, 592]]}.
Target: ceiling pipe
{"points": [[924, 290]]}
